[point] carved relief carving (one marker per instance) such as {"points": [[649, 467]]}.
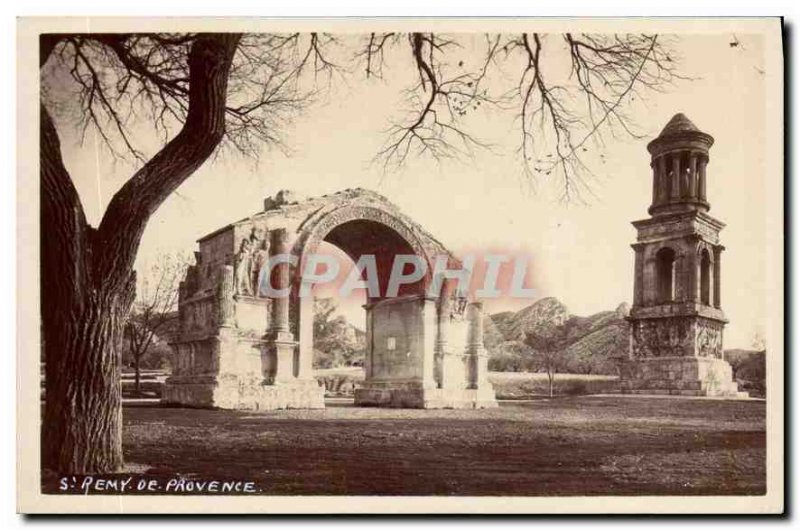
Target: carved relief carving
{"points": [[669, 337], [708, 232], [709, 339], [253, 254], [679, 228], [260, 259], [677, 337], [458, 305], [242, 265]]}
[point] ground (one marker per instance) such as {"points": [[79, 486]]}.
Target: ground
{"points": [[583, 445]]}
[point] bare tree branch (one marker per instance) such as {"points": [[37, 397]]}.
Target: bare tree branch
{"points": [[273, 77], [606, 73], [154, 307], [373, 52], [444, 94]]}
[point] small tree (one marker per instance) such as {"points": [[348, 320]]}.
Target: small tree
{"points": [[153, 309], [549, 351], [509, 356], [334, 337]]}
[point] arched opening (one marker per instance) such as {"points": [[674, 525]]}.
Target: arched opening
{"points": [[665, 274], [347, 348], [365, 237], [339, 322], [705, 277]]}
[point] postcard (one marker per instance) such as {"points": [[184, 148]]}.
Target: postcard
{"points": [[400, 265]]}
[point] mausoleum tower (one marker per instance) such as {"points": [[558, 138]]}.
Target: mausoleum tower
{"points": [[676, 318]]}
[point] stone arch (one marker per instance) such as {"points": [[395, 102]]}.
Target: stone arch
{"points": [[426, 373], [415, 322], [666, 276], [361, 218], [345, 226]]}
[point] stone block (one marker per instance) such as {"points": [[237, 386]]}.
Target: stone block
{"points": [[242, 393], [415, 395], [700, 376]]}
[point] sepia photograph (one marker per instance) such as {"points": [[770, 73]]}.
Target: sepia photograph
{"points": [[400, 265]]}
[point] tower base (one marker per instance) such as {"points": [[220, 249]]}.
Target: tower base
{"points": [[241, 393], [679, 376], [416, 396]]}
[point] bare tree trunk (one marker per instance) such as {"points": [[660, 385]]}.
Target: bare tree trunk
{"points": [[87, 277], [550, 376], [82, 426]]}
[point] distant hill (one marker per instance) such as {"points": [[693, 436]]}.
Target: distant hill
{"points": [[595, 341], [513, 326]]}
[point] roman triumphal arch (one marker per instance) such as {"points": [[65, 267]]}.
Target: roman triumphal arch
{"points": [[246, 326]]}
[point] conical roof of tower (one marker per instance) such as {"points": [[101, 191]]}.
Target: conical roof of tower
{"points": [[677, 125], [680, 131]]}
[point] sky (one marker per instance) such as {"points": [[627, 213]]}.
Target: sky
{"points": [[580, 253]]}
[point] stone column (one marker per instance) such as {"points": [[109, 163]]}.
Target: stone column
{"points": [[638, 274], [701, 180], [692, 175], [368, 369], [443, 331], [281, 278], [656, 182], [717, 276], [479, 365], [428, 319], [280, 342], [661, 169], [225, 303], [305, 338], [693, 274], [684, 181], [676, 176]]}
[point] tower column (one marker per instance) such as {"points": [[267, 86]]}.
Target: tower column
{"points": [[676, 177], [693, 275], [701, 181], [717, 276], [661, 169], [656, 182], [692, 175], [638, 275]]}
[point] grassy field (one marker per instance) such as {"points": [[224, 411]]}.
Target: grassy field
{"points": [[507, 385], [587, 445]]}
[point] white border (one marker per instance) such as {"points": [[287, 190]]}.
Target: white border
{"points": [[27, 254]]}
